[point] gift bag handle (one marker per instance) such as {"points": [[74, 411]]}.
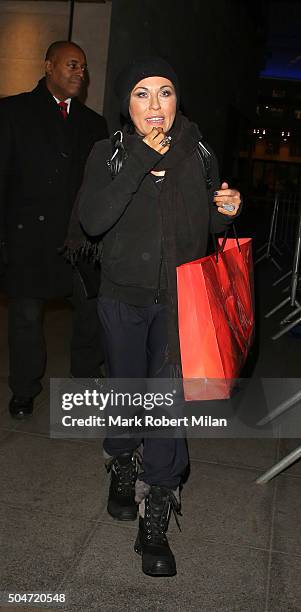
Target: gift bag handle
{"points": [[219, 249]]}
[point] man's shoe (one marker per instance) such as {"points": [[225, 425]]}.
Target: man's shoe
{"points": [[20, 407], [151, 541], [124, 472]]}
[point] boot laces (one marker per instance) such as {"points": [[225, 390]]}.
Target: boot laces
{"points": [[157, 514], [125, 475]]}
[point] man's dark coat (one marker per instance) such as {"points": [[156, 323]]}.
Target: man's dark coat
{"points": [[42, 161]]}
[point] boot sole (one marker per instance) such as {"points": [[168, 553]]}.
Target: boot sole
{"points": [[159, 573]]}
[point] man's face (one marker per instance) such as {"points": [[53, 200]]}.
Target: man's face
{"points": [[65, 72]]}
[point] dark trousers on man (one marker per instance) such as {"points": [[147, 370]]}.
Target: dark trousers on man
{"points": [[27, 346], [135, 342]]}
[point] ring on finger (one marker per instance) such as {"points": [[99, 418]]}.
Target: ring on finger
{"points": [[228, 207], [166, 141]]}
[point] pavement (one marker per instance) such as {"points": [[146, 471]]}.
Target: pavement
{"points": [[240, 545]]}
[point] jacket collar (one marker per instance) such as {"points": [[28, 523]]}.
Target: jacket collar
{"points": [[41, 91]]}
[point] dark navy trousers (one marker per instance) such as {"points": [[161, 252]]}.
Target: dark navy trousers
{"points": [[135, 342]]}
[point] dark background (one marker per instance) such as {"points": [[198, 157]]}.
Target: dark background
{"points": [[239, 65], [217, 49]]}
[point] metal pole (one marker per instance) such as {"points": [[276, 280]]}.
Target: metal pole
{"points": [[291, 401], [296, 263], [293, 286], [273, 224], [272, 234], [280, 466], [72, 2]]}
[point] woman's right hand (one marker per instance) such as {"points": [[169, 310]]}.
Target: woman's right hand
{"points": [[154, 140]]}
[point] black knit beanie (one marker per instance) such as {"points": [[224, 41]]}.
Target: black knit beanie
{"points": [[138, 69]]}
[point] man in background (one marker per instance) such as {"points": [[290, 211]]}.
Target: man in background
{"points": [[46, 137]]}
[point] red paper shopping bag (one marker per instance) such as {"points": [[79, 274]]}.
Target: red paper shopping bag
{"points": [[216, 319]]}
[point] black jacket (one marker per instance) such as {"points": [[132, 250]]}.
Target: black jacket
{"points": [[126, 212], [41, 166]]}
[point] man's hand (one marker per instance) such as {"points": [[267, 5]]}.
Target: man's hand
{"points": [[227, 197], [154, 140]]}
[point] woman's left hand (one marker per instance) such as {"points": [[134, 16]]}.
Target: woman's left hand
{"points": [[228, 197]]}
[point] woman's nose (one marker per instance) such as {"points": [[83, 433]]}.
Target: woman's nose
{"points": [[154, 102]]}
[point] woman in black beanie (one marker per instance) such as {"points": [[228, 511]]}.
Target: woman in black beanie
{"points": [[151, 203]]}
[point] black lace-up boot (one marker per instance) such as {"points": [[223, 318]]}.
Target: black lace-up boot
{"points": [[121, 502], [151, 542]]}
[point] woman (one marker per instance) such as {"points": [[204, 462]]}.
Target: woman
{"points": [[156, 213]]}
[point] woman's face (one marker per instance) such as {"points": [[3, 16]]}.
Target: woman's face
{"points": [[153, 103]]}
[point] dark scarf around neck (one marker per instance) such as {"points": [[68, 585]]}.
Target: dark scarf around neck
{"points": [[179, 236]]}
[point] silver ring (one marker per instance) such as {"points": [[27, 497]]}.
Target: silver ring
{"points": [[166, 141], [228, 207]]}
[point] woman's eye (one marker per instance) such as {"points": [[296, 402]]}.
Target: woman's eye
{"points": [[141, 94], [165, 92]]}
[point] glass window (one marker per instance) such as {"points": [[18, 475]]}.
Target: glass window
{"points": [[278, 93]]}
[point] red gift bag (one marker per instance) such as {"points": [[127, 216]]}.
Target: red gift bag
{"points": [[216, 319]]}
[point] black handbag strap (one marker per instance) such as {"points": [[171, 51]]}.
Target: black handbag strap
{"points": [[118, 154], [205, 157]]}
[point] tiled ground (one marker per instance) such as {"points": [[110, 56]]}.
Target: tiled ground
{"points": [[240, 546]]}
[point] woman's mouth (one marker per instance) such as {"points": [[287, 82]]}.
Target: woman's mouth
{"points": [[155, 120]]}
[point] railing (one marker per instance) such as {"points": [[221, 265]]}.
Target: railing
{"points": [[284, 239]]}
